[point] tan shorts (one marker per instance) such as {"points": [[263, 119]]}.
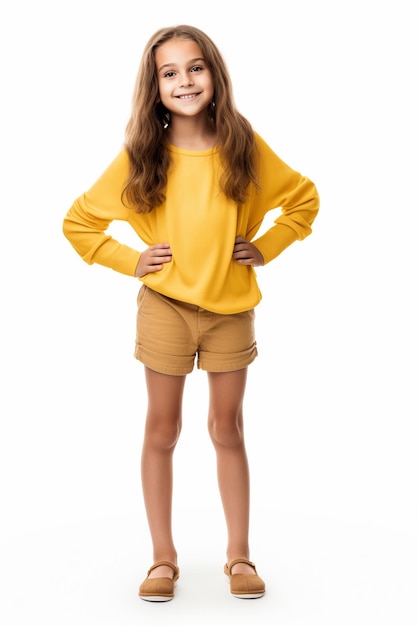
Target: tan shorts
{"points": [[171, 333]]}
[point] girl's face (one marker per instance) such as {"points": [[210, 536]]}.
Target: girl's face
{"points": [[184, 80]]}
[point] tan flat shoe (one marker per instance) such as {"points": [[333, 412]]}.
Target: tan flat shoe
{"points": [[159, 589], [245, 585]]}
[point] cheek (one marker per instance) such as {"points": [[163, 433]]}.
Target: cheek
{"points": [[210, 85], [162, 94]]}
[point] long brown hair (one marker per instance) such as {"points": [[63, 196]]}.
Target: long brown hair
{"points": [[145, 141]]}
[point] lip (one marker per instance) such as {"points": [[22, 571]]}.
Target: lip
{"points": [[187, 96]]}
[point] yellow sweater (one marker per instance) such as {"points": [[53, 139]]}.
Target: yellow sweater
{"points": [[199, 223]]}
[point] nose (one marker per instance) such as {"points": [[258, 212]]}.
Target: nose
{"points": [[186, 79]]}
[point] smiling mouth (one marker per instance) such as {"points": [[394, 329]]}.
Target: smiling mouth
{"points": [[188, 96]]}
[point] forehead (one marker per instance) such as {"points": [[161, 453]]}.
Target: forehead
{"points": [[177, 51]]}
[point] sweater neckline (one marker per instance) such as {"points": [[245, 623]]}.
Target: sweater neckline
{"points": [[196, 153]]}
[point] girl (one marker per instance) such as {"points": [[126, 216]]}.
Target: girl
{"points": [[195, 182]]}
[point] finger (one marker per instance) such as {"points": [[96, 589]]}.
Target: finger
{"points": [[245, 261], [157, 246], [242, 251], [239, 248], [160, 252], [154, 268], [160, 260]]}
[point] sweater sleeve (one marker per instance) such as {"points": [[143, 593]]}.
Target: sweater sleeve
{"points": [[87, 221], [297, 197]]}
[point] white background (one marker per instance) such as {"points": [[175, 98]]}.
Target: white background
{"points": [[331, 404]]}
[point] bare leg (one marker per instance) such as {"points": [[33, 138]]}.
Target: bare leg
{"points": [[162, 430], [226, 429]]}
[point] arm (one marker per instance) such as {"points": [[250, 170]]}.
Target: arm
{"points": [[86, 222], [281, 186]]}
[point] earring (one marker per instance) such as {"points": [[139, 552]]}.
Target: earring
{"points": [[166, 120], [212, 111]]}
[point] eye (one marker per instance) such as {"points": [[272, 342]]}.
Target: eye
{"points": [[196, 68], [169, 74]]}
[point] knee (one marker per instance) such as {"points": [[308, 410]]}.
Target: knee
{"points": [[226, 433], [162, 436]]}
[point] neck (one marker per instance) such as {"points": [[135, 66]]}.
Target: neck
{"points": [[190, 133]]}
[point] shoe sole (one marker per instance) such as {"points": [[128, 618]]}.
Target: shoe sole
{"points": [[157, 598]]}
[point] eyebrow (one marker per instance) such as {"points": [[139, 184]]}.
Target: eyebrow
{"points": [[174, 64]]}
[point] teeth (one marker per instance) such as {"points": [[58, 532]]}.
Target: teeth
{"points": [[192, 95]]}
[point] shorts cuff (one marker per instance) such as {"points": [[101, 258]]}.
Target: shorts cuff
{"points": [[221, 363], [179, 369]]}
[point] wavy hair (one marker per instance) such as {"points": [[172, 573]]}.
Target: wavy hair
{"points": [[145, 132]]}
